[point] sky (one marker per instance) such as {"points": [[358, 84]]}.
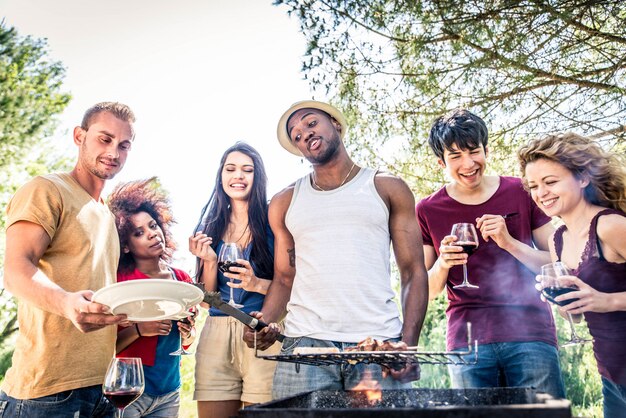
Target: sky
{"points": [[199, 75]]}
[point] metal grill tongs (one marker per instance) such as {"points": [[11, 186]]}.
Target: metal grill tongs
{"points": [[392, 359]]}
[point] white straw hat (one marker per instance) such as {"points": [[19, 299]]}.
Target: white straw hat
{"points": [[283, 135]]}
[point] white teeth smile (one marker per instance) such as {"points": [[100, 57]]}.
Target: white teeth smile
{"points": [[470, 174], [548, 202], [238, 185]]}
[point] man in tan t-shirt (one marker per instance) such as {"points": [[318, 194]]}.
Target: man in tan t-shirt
{"points": [[61, 246]]}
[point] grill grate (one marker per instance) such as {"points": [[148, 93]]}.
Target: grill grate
{"points": [[392, 359]]}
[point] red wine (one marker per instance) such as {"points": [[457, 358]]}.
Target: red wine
{"points": [[225, 266], [468, 247], [186, 320], [551, 292], [122, 399]]}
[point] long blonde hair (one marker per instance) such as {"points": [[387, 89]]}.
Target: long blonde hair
{"points": [[584, 158]]}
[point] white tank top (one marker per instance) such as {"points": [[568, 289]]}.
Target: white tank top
{"points": [[342, 288]]}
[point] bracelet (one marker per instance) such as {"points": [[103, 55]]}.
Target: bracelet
{"points": [[137, 328]]}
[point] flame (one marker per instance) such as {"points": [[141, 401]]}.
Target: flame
{"points": [[370, 387]]}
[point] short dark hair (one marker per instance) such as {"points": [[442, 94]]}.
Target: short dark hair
{"points": [[119, 110], [460, 127]]}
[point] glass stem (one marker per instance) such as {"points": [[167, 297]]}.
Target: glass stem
{"points": [[571, 325], [465, 274]]}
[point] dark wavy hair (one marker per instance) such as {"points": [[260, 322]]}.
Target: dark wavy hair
{"points": [[130, 198], [216, 213], [460, 127]]}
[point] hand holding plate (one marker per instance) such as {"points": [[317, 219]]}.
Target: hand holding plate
{"points": [[86, 315]]}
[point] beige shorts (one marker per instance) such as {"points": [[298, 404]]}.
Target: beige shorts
{"points": [[226, 368]]}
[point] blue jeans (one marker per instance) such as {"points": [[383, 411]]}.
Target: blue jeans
{"points": [[614, 399], [164, 406], [78, 403], [288, 382], [515, 364]]}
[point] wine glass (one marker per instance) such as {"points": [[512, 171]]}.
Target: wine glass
{"points": [[123, 382], [229, 253], [467, 239], [551, 288], [181, 350]]}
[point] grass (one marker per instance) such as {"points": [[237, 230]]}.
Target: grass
{"points": [[188, 363]]}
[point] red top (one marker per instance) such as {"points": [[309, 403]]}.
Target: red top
{"points": [[145, 347], [608, 329], [506, 307]]}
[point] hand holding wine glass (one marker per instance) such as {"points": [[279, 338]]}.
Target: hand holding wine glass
{"points": [[229, 253], [188, 322], [467, 239], [551, 287], [123, 382]]}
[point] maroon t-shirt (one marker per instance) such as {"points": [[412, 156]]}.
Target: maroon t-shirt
{"points": [[506, 307], [608, 329]]}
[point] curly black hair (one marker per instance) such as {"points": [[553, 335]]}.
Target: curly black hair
{"points": [[130, 198]]}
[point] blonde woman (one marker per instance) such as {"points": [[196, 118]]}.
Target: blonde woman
{"points": [[573, 178]]}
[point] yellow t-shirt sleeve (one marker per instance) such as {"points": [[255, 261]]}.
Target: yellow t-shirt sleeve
{"points": [[39, 202]]}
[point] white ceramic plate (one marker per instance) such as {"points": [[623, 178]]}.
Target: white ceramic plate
{"points": [[149, 299]]}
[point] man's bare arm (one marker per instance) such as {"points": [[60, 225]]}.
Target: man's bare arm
{"points": [[26, 242], [279, 292], [275, 302], [406, 239]]}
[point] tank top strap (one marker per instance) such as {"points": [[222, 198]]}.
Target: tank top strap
{"points": [[593, 245]]}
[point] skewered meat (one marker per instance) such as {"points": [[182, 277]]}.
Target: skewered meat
{"points": [[371, 344], [315, 350]]}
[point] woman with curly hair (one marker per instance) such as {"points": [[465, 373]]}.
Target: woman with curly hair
{"points": [[228, 375], [143, 217], [573, 178]]}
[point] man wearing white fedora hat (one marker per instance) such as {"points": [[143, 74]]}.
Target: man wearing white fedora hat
{"points": [[333, 230]]}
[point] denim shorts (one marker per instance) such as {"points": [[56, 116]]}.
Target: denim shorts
{"points": [[81, 403], [515, 364], [614, 399], [288, 381], [163, 406]]}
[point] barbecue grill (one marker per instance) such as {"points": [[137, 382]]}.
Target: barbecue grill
{"points": [[416, 403], [419, 403]]}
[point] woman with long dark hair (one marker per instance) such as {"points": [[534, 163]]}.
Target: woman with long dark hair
{"points": [[228, 375]]}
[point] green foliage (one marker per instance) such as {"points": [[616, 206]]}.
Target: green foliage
{"points": [[29, 94], [30, 101], [188, 406], [580, 372], [433, 338], [527, 67]]}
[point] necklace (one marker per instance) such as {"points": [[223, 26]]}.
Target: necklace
{"points": [[342, 183]]}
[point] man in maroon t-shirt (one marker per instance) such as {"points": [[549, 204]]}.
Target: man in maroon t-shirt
{"points": [[514, 329]]}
